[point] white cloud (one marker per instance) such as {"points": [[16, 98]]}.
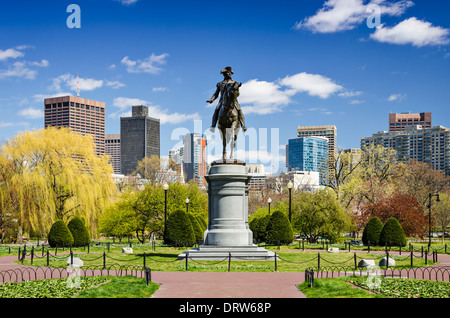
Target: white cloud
{"points": [[149, 64], [262, 97], [394, 97], [10, 53], [85, 84], [124, 104], [160, 89], [412, 31], [313, 84], [342, 15], [350, 93], [21, 68], [39, 98], [31, 113]]}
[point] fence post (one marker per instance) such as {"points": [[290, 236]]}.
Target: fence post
{"points": [[354, 257], [71, 258], [104, 259], [48, 258], [412, 257], [144, 260], [229, 261], [318, 260], [368, 247], [276, 265], [32, 254], [187, 254], [18, 255], [387, 259], [426, 257]]}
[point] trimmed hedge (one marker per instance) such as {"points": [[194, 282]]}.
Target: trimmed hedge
{"points": [[196, 227], [392, 233], [372, 231], [258, 226], [179, 229], [60, 235], [279, 229], [79, 232]]}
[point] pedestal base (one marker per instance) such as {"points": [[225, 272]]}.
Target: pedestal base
{"points": [[237, 253]]}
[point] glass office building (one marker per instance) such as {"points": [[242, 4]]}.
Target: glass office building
{"points": [[309, 154]]}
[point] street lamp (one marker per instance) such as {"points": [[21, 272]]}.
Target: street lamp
{"points": [[269, 201], [187, 205], [429, 215], [165, 187], [290, 186]]}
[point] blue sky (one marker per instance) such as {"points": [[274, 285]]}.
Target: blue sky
{"points": [[300, 62]]}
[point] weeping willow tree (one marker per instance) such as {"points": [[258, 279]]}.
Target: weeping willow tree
{"points": [[56, 176]]}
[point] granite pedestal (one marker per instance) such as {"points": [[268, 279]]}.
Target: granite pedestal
{"points": [[228, 233]]}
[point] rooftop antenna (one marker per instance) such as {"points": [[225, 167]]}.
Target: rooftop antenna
{"points": [[78, 86]]}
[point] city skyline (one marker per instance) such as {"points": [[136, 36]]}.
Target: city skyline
{"points": [[301, 64]]}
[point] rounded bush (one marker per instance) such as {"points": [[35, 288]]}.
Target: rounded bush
{"points": [[79, 232], [179, 229], [258, 226], [392, 233], [372, 231], [198, 232], [279, 229], [60, 235]]}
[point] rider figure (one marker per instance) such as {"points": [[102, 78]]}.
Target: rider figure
{"points": [[221, 87]]}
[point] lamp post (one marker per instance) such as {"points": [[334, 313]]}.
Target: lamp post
{"points": [[269, 201], [290, 185], [165, 187], [187, 205], [429, 215]]}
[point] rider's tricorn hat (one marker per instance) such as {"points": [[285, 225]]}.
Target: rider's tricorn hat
{"points": [[227, 69]]}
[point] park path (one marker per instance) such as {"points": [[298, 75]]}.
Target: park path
{"points": [[221, 285]]}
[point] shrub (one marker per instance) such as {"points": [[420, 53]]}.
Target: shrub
{"points": [[258, 226], [179, 229], [279, 229], [392, 233], [198, 232], [60, 235], [372, 231], [79, 232]]}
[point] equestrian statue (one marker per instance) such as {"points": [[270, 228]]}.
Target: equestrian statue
{"points": [[228, 114]]}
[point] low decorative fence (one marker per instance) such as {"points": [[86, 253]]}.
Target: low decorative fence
{"points": [[434, 273], [22, 274]]}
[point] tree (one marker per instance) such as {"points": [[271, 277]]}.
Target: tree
{"points": [[198, 232], [442, 212], [320, 215], [60, 235], [179, 229], [56, 176], [148, 168], [392, 233], [372, 231], [279, 229], [79, 232], [119, 219], [405, 209]]}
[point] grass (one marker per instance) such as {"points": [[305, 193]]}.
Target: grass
{"points": [[89, 287], [165, 259], [357, 287]]}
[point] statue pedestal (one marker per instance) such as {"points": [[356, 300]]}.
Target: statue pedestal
{"points": [[228, 233]]}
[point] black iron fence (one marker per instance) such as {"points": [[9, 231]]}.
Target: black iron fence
{"points": [[434, 273], [22, 274]]}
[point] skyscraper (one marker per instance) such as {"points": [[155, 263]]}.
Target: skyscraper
{"points": [[309, 154], [139, 138], [328, 131], [399, 121], [82, 115], [195, 158], [112, 149], [428, 145]]}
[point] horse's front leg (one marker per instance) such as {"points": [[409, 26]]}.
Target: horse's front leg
{"points": [[224, 145]]}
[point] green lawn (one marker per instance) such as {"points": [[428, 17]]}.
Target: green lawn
{"points": [[290, 260], [87, 287], [358, 287]]}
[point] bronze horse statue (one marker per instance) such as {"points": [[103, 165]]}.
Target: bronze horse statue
{"points": [[228, 122]]}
